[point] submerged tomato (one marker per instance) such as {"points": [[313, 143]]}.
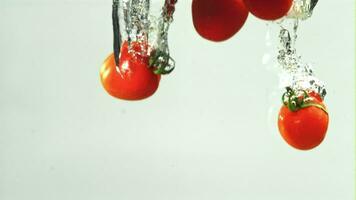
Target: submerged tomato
{"points": [[133, 79], [305, 128], [268, 9], [218, 20]]}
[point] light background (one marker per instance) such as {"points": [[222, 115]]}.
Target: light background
{"points": [[208, 133]]}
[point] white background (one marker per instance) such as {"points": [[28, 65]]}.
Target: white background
{"points": [[208, 133]]}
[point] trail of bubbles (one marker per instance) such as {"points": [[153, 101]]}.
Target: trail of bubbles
{"points": [[147, 22], [295, 73]]}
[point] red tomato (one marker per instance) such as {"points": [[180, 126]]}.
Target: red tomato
{"points": [[268, 9], [218, 20], [303, 129], [316, 96], [133, 79]]}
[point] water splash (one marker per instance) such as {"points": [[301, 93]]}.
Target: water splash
{"points": [[266, 59], [302, 9], [295, 73], [147, 22]]}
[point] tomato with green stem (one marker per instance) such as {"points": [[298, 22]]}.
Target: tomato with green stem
{"points": [[303, 120]]}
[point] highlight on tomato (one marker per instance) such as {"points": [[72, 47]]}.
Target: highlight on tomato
{"points": [[303, 119], [218, 20], [269, 9]]}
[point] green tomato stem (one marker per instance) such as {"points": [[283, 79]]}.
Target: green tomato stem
{"points": [[295, 102], [310, 104]]}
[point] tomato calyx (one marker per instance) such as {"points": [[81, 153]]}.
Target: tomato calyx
{"points": [[162, 62], [296, 100]]}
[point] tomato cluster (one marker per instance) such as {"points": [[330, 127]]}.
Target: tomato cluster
{"points": [[134, 73], [219, 20]]}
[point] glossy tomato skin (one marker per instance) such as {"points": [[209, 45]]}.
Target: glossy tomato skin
{"points": [[304, 129], [269, 9], [132, 79], [316, 96], [218, 20]]}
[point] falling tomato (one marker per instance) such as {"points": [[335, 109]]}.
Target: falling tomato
{"points": [[132, 79], [218, 20], [303, 124]]}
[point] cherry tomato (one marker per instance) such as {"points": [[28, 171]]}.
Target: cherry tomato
{"points": [[268, 9], [218, 20], [305, 128], [133, 79]]}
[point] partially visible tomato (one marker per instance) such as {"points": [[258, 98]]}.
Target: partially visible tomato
{"points": [[133, 79], [269, 9], [315, 95], [305, 128], [218, 20]]}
